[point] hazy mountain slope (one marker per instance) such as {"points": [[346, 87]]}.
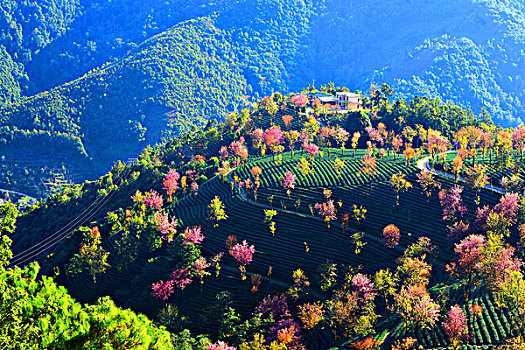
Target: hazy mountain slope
{"points": [[9, 86], [166, 85], [26, 27], [107, 31], [466, 51]]}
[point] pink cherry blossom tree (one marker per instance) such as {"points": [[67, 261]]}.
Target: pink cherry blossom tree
{"points": [[299, 100], [243, 254], [220, 346], [326, 211], [452, 203], [167, 228], [288, 182], [181, 277], [153, 200], [170, 183], [456, 326], [162, 290], [193, 235]]}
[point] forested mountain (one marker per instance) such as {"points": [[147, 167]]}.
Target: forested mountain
{"points": [[77, 74]]}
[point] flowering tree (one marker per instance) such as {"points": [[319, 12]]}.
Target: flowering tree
{"points": [[326, 211], [193, 235], [239, 149], [217, 211], [273, 137], [456, 326], [299, 100], [162, 290], [436, 143], [243, 254], [368, 167], [167, 228], [397, 143], [518, 139], [363, 287], [427, 182], [220, 346], [409, 153], [498, 220], [275, 305], [391, 236], [375, 136], [170, 183], [258, 138], [288, 182], [287, 120], [368, 343], [349, 313], [468, 259], [416, 307], [312, 150], [181, 277], [341, 136], [200, 267], [508, 207], [311, 314], [452, 203], [153, 200], [399, 183]]}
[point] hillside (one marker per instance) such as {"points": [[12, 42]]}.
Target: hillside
{"points": [[315, 207]]}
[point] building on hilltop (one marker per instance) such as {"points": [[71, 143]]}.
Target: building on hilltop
{"points": [[348, 101], [345, 101]]}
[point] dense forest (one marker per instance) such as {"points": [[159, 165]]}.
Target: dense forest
{"points": [[74, 72]]}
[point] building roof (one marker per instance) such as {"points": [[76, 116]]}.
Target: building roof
{"points": [[319, 94], [327, 99], [349, 94]]}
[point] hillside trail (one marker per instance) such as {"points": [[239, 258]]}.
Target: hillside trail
{"points": [[423, 164]]}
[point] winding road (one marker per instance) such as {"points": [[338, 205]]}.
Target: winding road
{"points": [[423, 164], [32, 200]]}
